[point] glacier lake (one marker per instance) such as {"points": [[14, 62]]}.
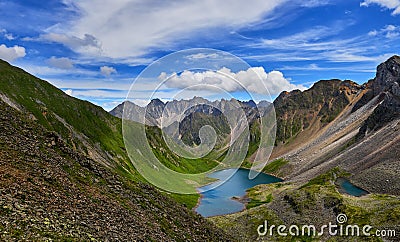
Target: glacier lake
{"points": [[345, 186], [218, 201]]}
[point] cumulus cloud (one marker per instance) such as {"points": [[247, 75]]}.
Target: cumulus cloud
{"points": [[11, 53], [254, 80], [61, 63], [107, 70], [389, 4]]}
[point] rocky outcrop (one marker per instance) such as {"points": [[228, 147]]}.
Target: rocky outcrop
{"points": [[184, 118], [388, 77], [386, 86], [296, 111], [133, 111]]}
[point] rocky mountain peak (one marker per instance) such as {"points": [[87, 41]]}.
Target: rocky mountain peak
{"points": [[156, 102], [386, 85], [250, 103], [388, 77]]}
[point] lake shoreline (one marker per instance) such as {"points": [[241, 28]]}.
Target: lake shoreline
{"points": [[341, 183], [234, 190], [211, 182]]}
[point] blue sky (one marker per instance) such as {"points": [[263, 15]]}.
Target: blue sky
{"points": [[94, 50]]}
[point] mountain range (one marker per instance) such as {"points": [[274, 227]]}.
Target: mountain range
{"points": [[66, 175], [314, 127], [336, 128]]}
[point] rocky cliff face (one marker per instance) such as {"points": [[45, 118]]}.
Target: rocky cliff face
{"points": [[134, 111], [385, 86], [363, 138], [297, 111], [190, 115], [158, 113], [388, 77]]}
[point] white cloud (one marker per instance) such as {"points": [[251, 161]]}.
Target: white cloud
{"points": [[93, 82], [6, 34], [61, 63], [348, 68], [95, 93], [110, 105], [312, 40], [389, 28], [373, 33], [203, 56], [141, 102], [130, 28], [389, 31], [389, 4], [320, 43], [9, 36], [314, 3], [107, 70], [254, 80], [11, 53], [88, 44], [49, 72], [69, 92], [315, 44]]}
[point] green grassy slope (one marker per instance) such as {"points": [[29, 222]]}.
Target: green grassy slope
{"points": [[173, 161], [59, 112], [51, 192], [83, 126], [72, 118]]}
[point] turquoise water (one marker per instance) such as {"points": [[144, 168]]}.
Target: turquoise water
{"points": [[218, 201], [347, 187]]}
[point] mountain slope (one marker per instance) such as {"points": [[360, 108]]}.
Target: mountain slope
{"points": [[317, 125], [190, 126], [84, 126], [183, 119], [58, 179], [362, 138], [318, 203], [361, 142], [308, 112]]}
